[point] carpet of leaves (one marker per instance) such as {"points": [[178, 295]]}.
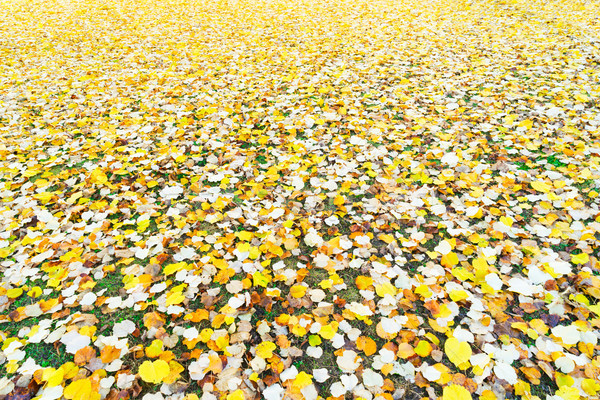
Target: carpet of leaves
{"points": [[269, 199]]}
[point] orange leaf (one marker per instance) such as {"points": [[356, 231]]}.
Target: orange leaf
{"points": [[405, 350], [533, 374], [363, 282], [197, 316], [84, 355], [367, 345], [109, 354], [153, 320]]}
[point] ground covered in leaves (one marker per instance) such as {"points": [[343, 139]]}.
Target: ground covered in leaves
{"points": [[269, 199]]}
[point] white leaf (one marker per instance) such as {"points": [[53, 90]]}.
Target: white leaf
{"points": [[348, 361], [506, 372], [273, 392], [122, 329], [372, 378], [494, 281], [565, 364], [277, 213], [289, 373], [320, 374], [337, 389], [235, 302], [191, 333], [170, 192], [124, 381], [74, 341], [463, 335], [523, 287], [88, 299], [153, 396], [52, 393], [313, 238], [198, 368], [387, 356], [568, 334], [310, 392], [42, 256], [444, 247], [431, 374], [332, 220], [142, 253], [315, 352], [359, 309], [349, 381], [234, 286], [7, 386], [450, 159], [321, 260], [106, 383], [185, 253]]}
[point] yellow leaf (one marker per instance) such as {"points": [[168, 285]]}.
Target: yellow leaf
{"points": [[254, 253], [80, 390], [327, 331], [154, 372], [55, 378], [527, 123], [98, 177], [174, 298], [458, 295], [458, 352], [244, 235], [590, 386], [175, 370], [424, 348], [143, 225], [387, 238], [462, 274], [260, 279], [424, 291], [385, 288], [302, 380], [265, 349], [44, 197], [487, 395], [298, 291], [155, 349], [568, 393], [522, 387], [576, 258], [449, 260], [540, 186], [172, 268], [508, 221], [237, 395], [456, 392], [14, 293], [564, 380]]}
